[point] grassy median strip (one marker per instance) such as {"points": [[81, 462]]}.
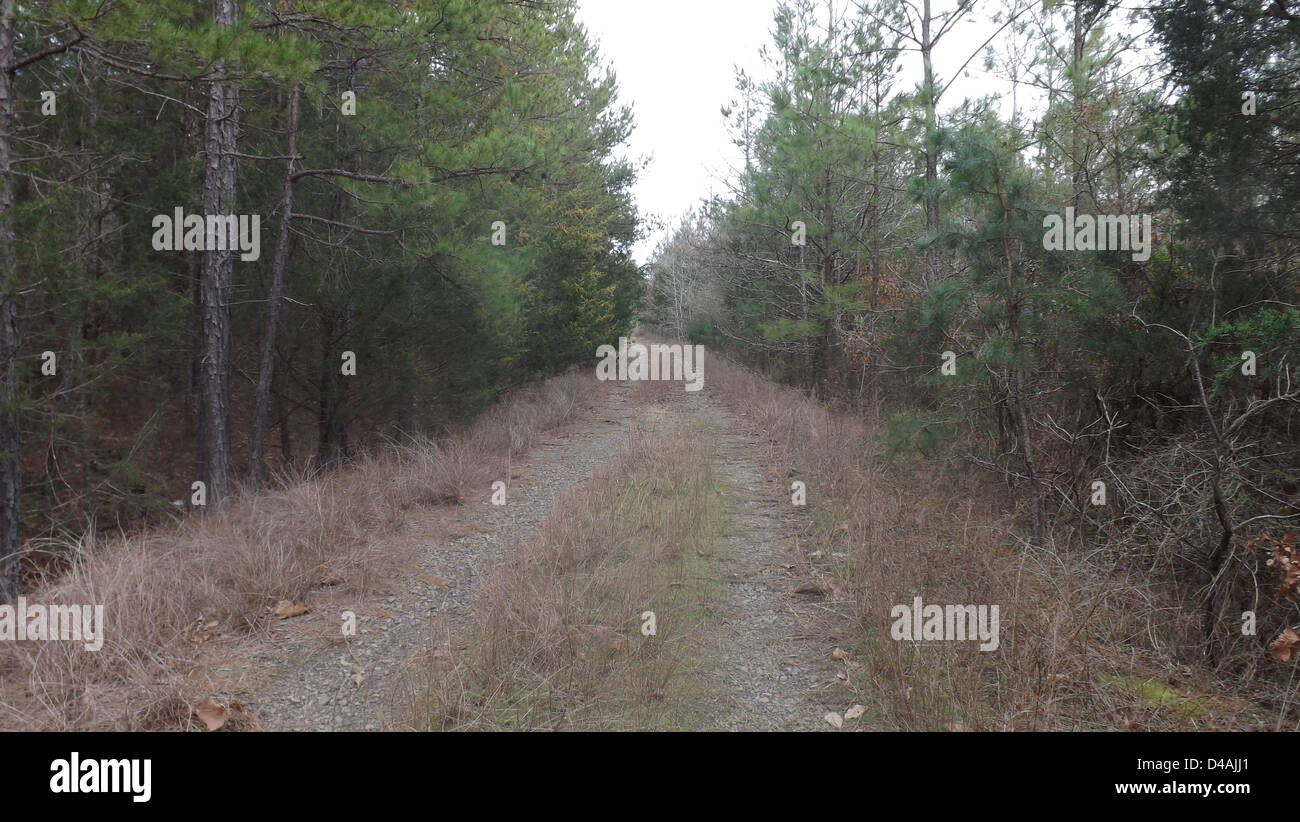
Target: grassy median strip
{"points": [[563, 635]]}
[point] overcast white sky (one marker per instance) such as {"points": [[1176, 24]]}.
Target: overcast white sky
{"points": [[675, 61]]}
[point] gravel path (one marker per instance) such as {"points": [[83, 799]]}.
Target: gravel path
{"points": [[770, 672], [328, 684], [774, 676]]}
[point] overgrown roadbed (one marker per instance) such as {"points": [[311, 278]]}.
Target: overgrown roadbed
{"points": [[315, 679], [778, 675], [680, 522]]}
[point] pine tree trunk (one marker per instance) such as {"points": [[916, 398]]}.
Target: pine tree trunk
{"points": [[1078, 89], [332, 413], [10, 439], [262, 400], [931, 161], [216, 279]]}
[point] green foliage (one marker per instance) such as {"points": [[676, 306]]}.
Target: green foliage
{"points": [[468, 112], [925, 234], [702, 332], [909, 431], [1272, 335]]}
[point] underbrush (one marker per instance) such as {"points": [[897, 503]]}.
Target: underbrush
{"points": [[224, 571], [1088, 641]]}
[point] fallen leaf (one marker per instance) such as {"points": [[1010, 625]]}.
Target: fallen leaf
{"points": [[1285, 561], [285, 609], [1286, 645], [855, 712], [834, 719], [212, 715], [839, 653]]}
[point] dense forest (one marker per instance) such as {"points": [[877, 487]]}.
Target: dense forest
{"points": [[242, 240], [1005, 293], [1093, 303]]}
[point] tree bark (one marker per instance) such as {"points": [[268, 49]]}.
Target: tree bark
{"points": [[10, 435], [217, 275], [332, 414], [931, 161], [262, 400], [1078, 89]]}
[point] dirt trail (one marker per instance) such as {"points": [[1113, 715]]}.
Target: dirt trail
{"points": [[312, 679], [776, 675], [769, 673]]}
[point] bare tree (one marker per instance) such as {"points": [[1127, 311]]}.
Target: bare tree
{"points": [[262, 401]]}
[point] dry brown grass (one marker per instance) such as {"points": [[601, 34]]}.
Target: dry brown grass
{"points": [[1085, 644], [558, 642], [161, 587]]}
